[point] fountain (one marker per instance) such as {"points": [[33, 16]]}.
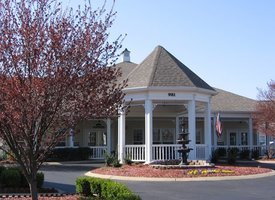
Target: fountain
{"points": [[184, 150]]}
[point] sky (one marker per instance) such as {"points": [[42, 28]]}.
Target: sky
{"points": [[229, 44]]}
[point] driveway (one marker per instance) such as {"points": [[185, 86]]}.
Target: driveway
{"points": [[63, 177]]}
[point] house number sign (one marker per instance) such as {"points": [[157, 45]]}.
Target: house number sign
{"points": [[171, 94]]}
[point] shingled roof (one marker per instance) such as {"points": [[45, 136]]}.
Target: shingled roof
{"points": [[161, 68], [226, 101]]}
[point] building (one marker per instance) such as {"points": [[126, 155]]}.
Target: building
{"points": [[164, 94]]}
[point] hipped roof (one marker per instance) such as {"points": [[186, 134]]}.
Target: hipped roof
{"points": [[161, 68]]}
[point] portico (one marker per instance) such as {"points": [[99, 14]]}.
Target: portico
{"points": [[154, 102]]}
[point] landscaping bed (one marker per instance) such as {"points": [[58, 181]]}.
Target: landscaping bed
{"points": [[68, 197], [141, 170]]}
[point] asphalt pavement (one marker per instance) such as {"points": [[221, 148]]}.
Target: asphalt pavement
{"points": [[63, 176]]}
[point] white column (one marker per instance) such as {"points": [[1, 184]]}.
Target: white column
{"points": [[121, 135], [250, 132], [207, 130], [148, 130], [177, 129], [192, 128], [71, 138], [108, 135]]}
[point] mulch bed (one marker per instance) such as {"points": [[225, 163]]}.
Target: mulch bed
{"points": [[13, 190], [67, 197], [148, 171]]}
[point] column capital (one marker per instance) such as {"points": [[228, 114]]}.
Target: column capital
{"points": [[121, 110]]}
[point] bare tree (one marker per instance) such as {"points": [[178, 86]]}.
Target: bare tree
{"points": [[54, 72], [265, 111]]}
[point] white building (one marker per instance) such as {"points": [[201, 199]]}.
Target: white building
{"points": [[164, 94]]}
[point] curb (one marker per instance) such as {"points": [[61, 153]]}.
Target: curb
{"points": [[221, 178]]}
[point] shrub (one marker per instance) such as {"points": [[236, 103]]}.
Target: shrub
{"points": [[83, 186], [96, 186], [232, 155], [2, 168], [84, 153], [214, 158], [24, 182], [106, 189], [221, 151], [116, 163], [244, 154], [40, 179], [11, 177], [111, 160], [255, 154], [111, 190], [128, 160], [14, 177]]}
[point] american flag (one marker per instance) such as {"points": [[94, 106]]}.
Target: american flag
{"points": [[218, 125]]}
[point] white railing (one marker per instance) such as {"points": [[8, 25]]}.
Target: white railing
{"points": [[98, 152], [135, 152], [201, 152], [165, 151], [162, 152]]}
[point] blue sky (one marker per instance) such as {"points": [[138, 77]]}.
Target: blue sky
{"points": [[229, 44]]}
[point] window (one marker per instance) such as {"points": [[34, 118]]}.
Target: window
{"points": [[156, 136], [163, 136], [244, 138], [233, 138], [138, 137], [97, 138], [92, 139]]}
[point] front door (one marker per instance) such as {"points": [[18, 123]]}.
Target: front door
{"points": [[238, 138], [232, 138], [97, 138]]}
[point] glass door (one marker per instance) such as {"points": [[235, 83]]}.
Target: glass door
{"points": [[244, 140], [233, 138], [97, 138]]}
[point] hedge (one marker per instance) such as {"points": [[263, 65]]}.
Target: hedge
{"points": [[14, 177], [70, 154], [106, 189]]}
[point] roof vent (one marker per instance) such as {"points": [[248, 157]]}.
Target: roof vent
{"points": [[126, 55]]}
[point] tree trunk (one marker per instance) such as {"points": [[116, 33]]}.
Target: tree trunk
{"points": [[33, 188]]}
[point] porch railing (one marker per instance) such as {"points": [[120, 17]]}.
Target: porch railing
{"points": [[98, 152], [135, 152], [162, 152], [170, 151], [165, 151], [201, 152]]}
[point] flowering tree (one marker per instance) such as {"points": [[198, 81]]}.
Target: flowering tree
{"points": [[53, 69], [265, 111]]}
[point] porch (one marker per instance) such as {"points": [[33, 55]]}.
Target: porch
{"points": [[169, 151]]}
